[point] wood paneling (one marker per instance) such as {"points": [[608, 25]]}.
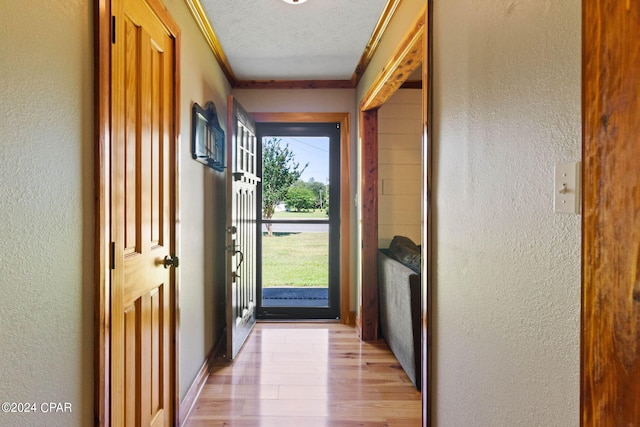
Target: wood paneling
{"points": [[400, 167], [308, 374], [611, 214]]}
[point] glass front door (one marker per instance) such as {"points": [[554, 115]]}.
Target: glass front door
{"points": [[298, 274]]}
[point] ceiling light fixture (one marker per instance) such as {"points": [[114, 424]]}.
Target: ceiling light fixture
{"points": [[294, 1]]}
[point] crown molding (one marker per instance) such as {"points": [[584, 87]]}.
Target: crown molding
{"points": [[398, 69], [199, 15], [293, 84], [374, 41]]}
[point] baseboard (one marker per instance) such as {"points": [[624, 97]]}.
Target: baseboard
{"points": [[351, 319], [201, 378]]}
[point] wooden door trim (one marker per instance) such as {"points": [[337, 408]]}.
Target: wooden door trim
{"points": [[414, 49], [102, 162], [610, 296], [427, 218], [346, 315], [406, 58], [369, 313]]}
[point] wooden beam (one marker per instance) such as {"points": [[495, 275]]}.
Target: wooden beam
{"points": [[369, 203], [293, 84], [407, 57], [374, 41], [610, 336]]}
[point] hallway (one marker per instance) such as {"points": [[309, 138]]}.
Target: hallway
{"points": [[311, 375]]}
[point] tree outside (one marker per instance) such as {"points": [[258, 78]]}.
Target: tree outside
{"points": [[319, 190], [279, 172], [300, 199]]}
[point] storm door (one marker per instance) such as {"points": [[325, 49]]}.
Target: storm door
{"points": [[299, 222]]}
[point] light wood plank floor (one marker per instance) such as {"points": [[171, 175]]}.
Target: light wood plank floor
{"points": [[308, 375]]}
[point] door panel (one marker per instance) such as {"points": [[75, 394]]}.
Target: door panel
{"points": [[241, 226], [143, 197]]}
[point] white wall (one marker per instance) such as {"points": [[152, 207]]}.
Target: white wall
{"points": [[46, 210], [506, 297], [202, 206], [400, 167]]}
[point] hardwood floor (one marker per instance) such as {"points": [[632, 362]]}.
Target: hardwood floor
{"points": [[308, 375]]}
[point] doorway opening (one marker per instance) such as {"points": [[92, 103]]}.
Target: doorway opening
{"points": [[298, 273]]}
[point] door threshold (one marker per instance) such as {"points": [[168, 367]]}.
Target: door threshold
{"points": [[298, 321]]}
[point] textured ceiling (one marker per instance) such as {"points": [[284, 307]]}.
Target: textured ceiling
{"points": [[273, 40]]}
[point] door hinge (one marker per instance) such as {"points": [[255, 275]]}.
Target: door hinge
{"points": [[113, 30], [113, 255]]}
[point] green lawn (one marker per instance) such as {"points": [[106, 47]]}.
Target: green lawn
{"points": [[296, 259], [301, 215]]}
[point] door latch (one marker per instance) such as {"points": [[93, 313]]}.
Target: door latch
{"points": [[171, 261]]}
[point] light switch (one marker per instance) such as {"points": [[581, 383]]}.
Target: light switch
{"points": [[567, 188]]}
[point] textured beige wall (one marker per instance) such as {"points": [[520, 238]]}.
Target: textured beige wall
{"points": [[400, 167], [202, 206], [46, 210], [506, 298], [507, 291], [46, 189]]}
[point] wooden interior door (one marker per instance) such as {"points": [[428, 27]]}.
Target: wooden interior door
{"points": [[611, 214], [242, 210], [143, 204]]}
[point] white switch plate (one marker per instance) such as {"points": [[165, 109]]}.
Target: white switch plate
{"points": [[567, 188]]}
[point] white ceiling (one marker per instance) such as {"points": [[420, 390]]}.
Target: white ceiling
{"points": [[273, 40]]}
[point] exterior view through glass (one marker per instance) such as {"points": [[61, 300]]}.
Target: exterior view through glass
{"points": [[298, 244]]}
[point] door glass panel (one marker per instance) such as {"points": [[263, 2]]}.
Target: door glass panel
{"points": [[295, 221], [295, 174], [295, 268]]}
